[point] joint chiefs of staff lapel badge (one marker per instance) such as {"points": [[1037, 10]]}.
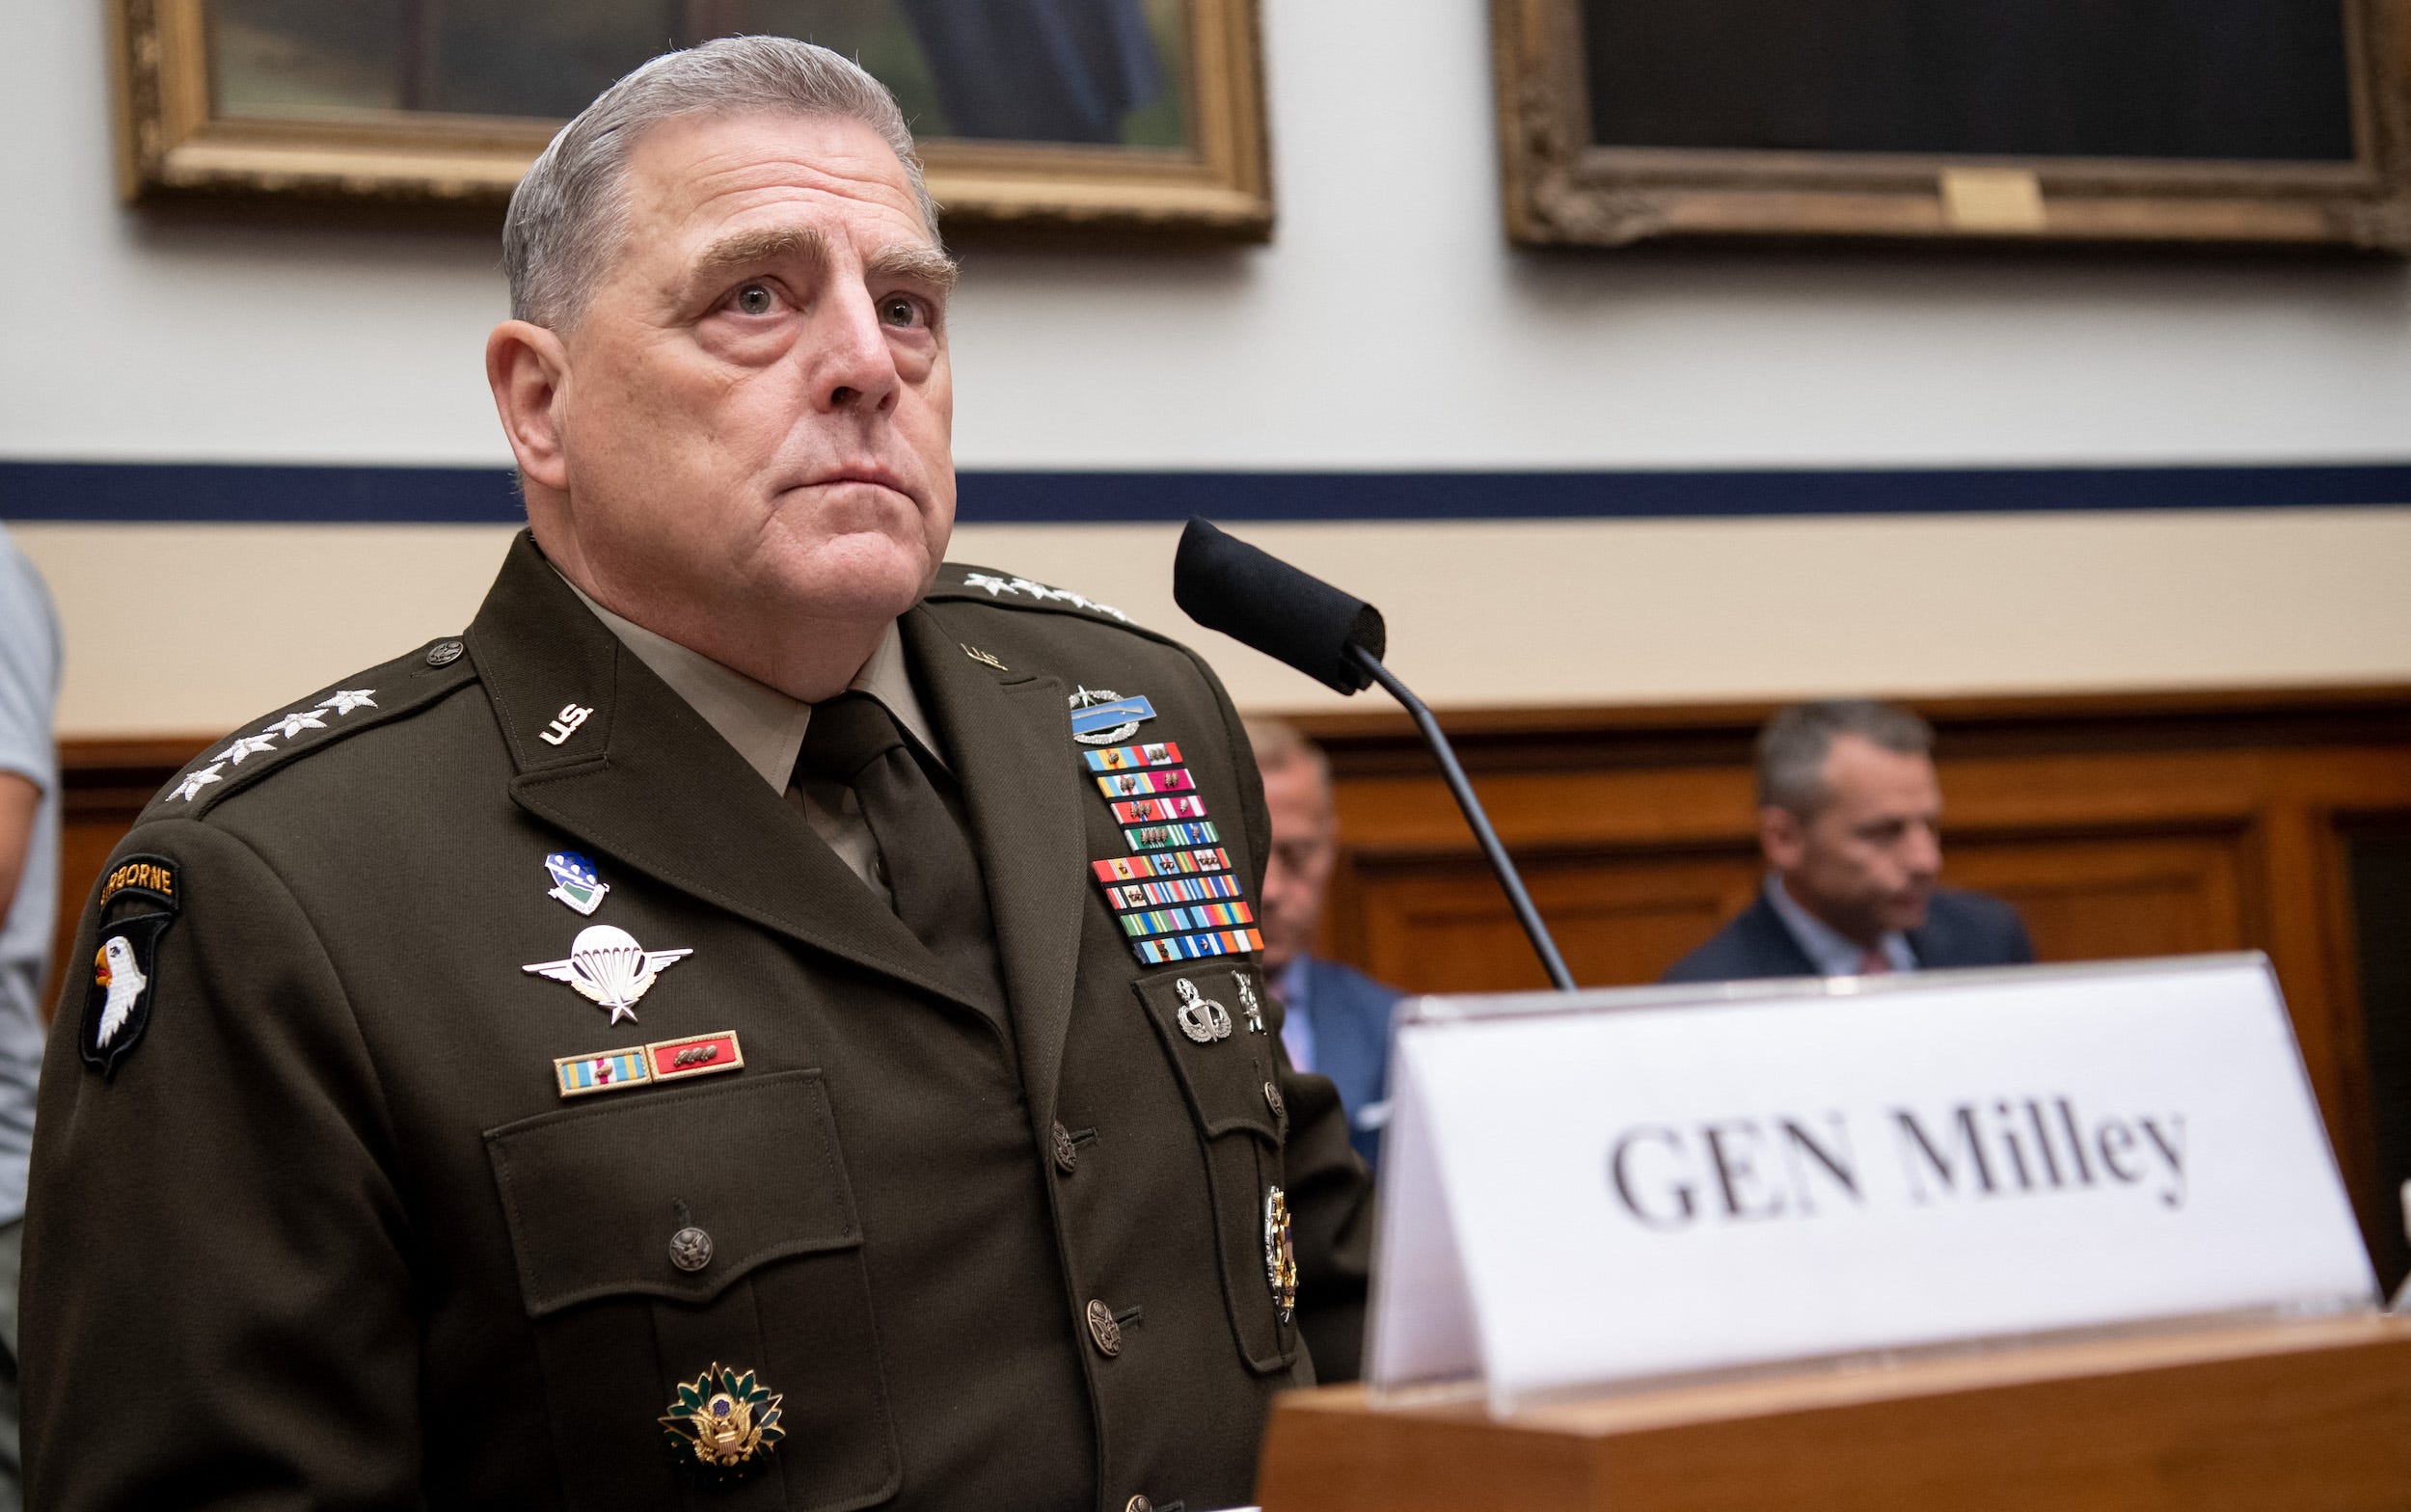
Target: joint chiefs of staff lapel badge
{"points": [[1102, 718], [1279, 1255], [723, 1423], [575, 881], [608, 967], [139, 899], [1202, 1018]]}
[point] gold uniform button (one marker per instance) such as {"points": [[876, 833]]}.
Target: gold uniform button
{"points": [[1067, 1153], [1103, 1331]]}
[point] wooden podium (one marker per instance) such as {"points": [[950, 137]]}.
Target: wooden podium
{"points": [[2300, 1416]]}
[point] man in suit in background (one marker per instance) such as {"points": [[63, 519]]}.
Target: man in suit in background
{"points": [[1849, 815], [1335, 1019]]}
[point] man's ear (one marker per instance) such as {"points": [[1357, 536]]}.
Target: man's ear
{"points": [[527, 367], [1782, 836]]}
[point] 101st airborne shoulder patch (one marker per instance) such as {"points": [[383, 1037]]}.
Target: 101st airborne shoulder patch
{"points": [[140, 898]]}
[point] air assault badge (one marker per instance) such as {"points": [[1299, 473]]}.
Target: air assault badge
{"points": [[723, 1425], [139, 899]]}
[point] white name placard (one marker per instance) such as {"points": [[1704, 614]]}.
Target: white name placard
{"points": [[1609, 1186]]}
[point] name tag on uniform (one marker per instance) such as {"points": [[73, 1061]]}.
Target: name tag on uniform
{"points": [[1620, 1185]]}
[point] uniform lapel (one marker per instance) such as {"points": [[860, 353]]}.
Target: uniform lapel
{"points": [[646, 780], [1009, 743]]}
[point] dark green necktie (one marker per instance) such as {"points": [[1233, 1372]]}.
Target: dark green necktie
{"points": [[931, 870]]}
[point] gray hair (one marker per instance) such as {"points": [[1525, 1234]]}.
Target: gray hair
{"points": [[1279, 743], [1793, 747], [569, 214]]}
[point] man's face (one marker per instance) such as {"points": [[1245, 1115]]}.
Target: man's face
{"points": [[757, 409], [1865, 861], [1304, 846]]}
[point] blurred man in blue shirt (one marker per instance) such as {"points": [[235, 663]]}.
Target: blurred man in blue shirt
{"points": [[1335, 1020], [29, 899]]}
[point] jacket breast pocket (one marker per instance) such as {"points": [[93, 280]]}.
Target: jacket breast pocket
{"points": [[1206, 1015], [660, 1235]]}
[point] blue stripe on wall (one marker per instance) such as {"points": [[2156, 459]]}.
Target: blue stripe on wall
{"points": [[209, 493]]}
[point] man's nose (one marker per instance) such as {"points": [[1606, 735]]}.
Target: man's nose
{"points": [[1923, 852], [853, 364]]}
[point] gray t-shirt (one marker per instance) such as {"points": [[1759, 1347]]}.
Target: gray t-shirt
{"points": [[29, 693]]}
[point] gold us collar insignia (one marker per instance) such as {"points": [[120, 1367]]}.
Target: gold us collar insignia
{"points": [[724, 1423]]}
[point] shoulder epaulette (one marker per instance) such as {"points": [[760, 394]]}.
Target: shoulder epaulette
{"points": [[963, 581], [332, 714]]}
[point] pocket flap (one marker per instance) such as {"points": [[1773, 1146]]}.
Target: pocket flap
{"points": [[1225, 1077], [595, 1195]]}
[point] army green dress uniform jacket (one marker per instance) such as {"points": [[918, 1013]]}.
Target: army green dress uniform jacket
{"points": [[318, 1227]]}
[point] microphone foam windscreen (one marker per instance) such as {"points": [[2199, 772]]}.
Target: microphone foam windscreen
{"points": [[1224, 583]]}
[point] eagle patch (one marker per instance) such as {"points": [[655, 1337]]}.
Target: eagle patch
{"points": [[138, 900]]}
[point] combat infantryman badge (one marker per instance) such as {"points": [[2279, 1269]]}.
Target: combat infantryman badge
{"points": [[1202, 1018], [1103, 717], [139, 899], [575, 881], [1280, 1255], [723, 1423], [608, 966]]}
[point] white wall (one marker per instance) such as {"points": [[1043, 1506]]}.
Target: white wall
{"points": [[1387, 327]]}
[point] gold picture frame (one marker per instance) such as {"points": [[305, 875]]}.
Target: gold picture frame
{"points": [[1563, 187], [174, 145]]}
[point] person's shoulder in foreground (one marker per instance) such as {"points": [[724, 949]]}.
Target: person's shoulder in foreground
{"points": [[491, 1089]]}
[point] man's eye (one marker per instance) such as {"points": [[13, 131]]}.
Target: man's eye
{"points": [[755, 299], [898, 310]]}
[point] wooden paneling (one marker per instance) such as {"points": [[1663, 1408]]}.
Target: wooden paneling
{"points": [[2149, 824], [2143, 824], [2103, 896]]}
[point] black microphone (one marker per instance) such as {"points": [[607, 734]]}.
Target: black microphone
{"points": [[1224, 583], [1261, 601]]}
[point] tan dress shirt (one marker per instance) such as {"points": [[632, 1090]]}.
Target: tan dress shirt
{"points": [[766, 728]]}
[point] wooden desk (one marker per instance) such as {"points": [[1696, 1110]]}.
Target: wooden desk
{"points": [[2308, 1417]]}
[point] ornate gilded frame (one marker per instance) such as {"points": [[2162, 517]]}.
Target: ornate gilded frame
{"points": [[1562, 189], [172, 145]]}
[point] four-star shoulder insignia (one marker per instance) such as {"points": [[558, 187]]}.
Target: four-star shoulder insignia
{"points": [[285, 727], [294, 724], [406, 683], [974, 581], [194, 781], [245, 747]]}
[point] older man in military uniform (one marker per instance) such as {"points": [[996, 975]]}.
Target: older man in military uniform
{"points": [[759, 1020]]}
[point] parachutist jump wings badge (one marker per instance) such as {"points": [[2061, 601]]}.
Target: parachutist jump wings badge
{"points": [[607, 965]]}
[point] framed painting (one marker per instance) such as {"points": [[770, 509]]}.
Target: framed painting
{"points": [[2265, 123], [1144, 116]]}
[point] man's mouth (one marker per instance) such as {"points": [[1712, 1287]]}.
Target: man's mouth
{"points": [[860, 472]]}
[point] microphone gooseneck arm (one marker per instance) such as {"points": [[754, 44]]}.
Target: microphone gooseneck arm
{"points": [[1462, 790]]}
